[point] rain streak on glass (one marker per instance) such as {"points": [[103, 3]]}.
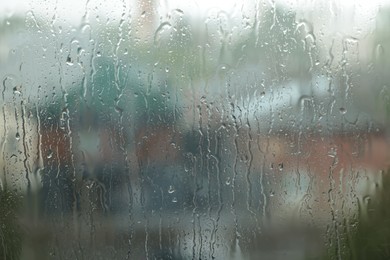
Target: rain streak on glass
{"points": [[135, 129]]}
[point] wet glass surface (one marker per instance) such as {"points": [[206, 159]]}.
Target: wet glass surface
{"points": [[194, 129]]}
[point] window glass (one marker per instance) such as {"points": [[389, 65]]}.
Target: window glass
{"points": [[142, 129]]}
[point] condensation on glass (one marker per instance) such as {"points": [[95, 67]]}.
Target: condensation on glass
{"points": [[201, 129]]}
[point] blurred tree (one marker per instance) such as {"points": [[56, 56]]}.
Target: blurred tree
{"points": [[10, 230]]}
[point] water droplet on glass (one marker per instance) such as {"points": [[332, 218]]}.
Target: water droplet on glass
{"points": [[49, 154], [174, 200], [343, 111], [69, 61], [171, 189], [280, 166], [366, 199], [80, 51], [332, 153], [16, 91], [17, 136], [228, 181]]}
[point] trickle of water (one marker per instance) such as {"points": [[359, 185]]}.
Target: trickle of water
{"points": [[165, 26], [10, 82], [379, 52]]}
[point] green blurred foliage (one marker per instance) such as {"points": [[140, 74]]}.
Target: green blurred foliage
{"points": [[10, 229]]}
